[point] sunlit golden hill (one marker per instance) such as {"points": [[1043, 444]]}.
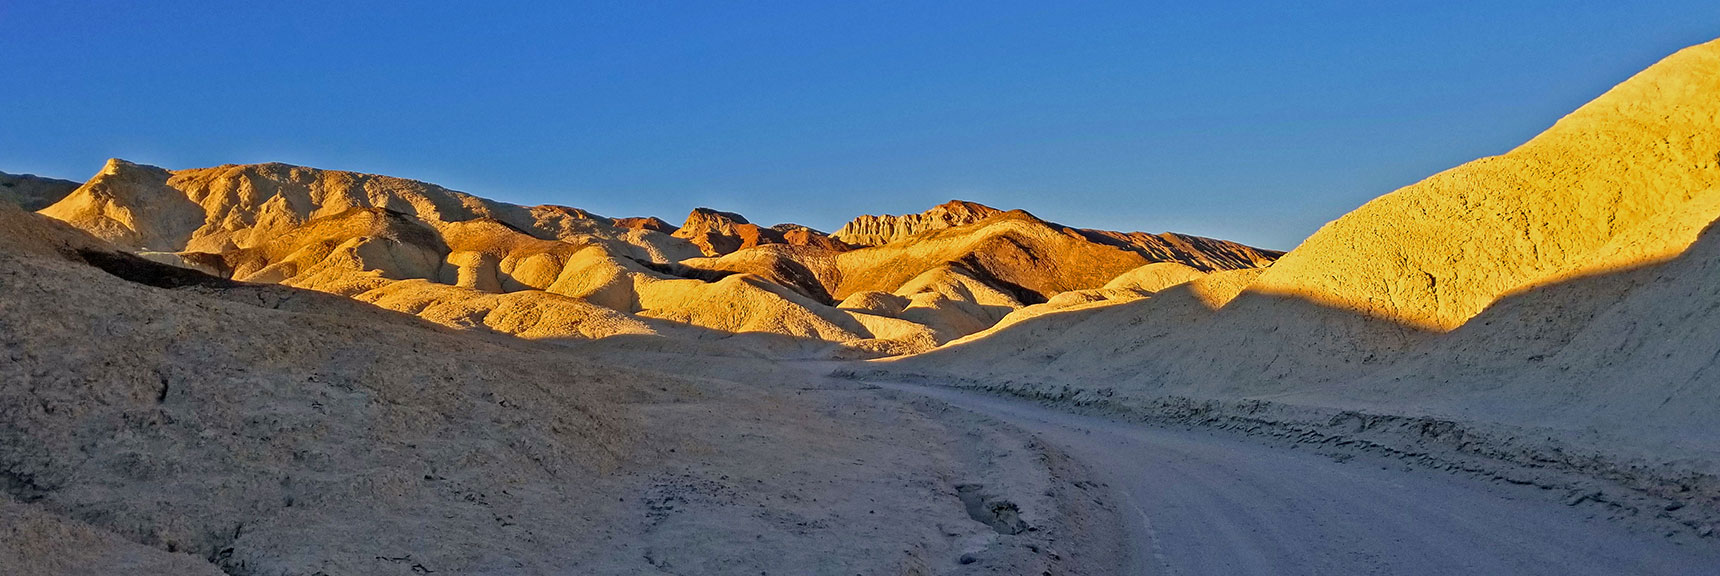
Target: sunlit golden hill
{"points": [[885, 285], [1569, 283]]}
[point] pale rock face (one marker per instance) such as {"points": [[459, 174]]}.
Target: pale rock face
{"points": [[1434, 254], [130, 205], [1568, 284]]}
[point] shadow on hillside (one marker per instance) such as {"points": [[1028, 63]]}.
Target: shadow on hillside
{"points": [[1259, 342], [1263, 344]]}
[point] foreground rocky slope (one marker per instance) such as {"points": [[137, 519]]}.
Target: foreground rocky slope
{"points": [[553, 272], [1566, 287], [156, 420]]}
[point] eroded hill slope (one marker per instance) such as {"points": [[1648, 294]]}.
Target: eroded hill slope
{"points": [[553, 272], [1564, 284], [157, 420]]}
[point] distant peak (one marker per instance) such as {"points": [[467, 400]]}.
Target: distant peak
{"points": [[646, 223], [116, 166], [964, 205], [704, 215], [124, 170], [871, 230]]}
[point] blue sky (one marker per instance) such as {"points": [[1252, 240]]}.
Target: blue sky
{"points": [[1249, 121]]}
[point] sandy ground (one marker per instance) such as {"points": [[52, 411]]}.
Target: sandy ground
{"points": [[1200, 502]]}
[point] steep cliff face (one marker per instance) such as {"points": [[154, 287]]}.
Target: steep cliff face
{"points": [[871, 230]]}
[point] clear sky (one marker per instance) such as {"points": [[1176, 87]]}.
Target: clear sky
{"points": [[1253, 121]]}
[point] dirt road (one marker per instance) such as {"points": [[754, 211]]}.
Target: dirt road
{"points": [[1200, 502]]}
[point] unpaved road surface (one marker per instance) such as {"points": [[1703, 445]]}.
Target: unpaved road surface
{"points": [[1202, 502]]}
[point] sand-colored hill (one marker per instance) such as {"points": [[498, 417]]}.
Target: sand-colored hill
{"points": [[1564, 284], [1436, 253], [555, 272]]}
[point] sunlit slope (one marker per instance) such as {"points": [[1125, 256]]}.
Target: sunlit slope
{"points": [[1436, 253], [1031, 258], [1561, 284], [158, 421], [560, 272]]}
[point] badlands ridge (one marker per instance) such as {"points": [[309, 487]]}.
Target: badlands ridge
{"points": [[210, 361], [883, 285]]}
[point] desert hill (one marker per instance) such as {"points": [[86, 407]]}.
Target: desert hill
{"points": [[1567, 284], [33, 192], [554, 272], [158, 420], [869, 230]]}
